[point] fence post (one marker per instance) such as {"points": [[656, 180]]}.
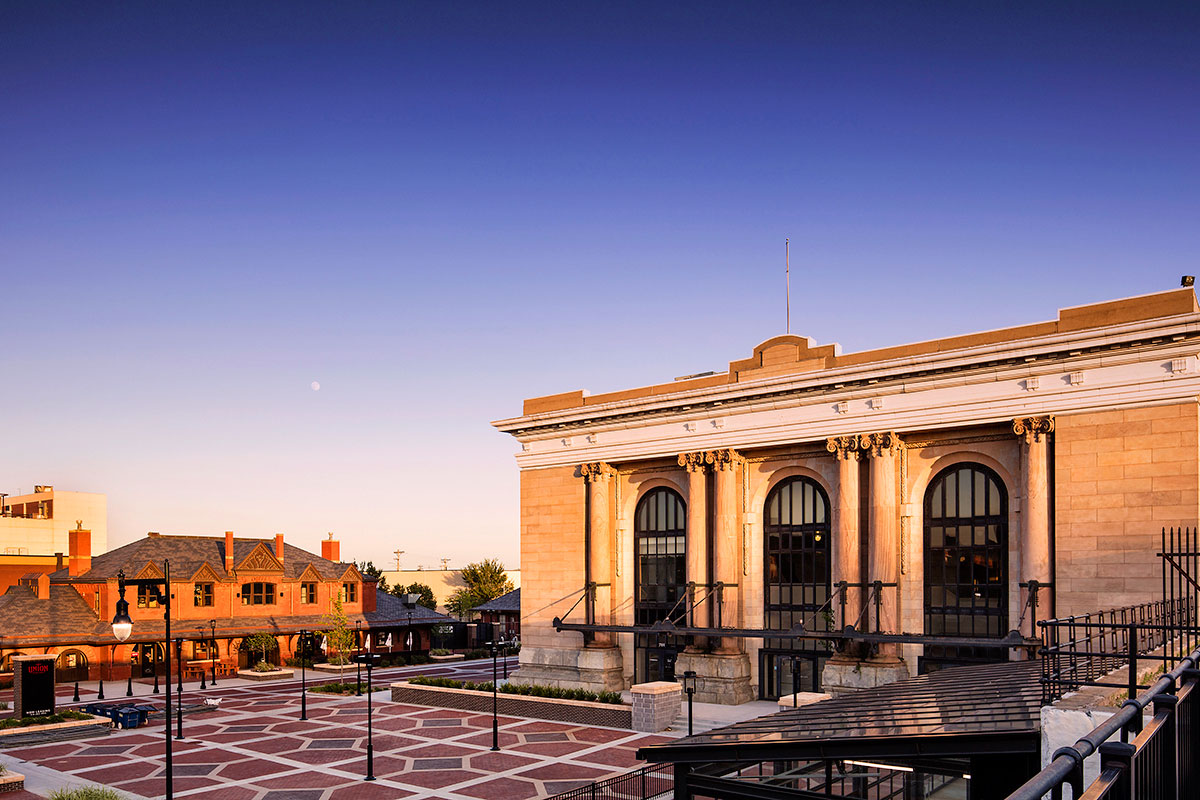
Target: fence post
{"points": [[1118, 756], [1135, 724], [1169, 748]]}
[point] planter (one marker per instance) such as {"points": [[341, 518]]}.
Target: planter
{"points": [[334, 669], [13, 737], [451, 657], [11, 782], [273, 675], [607, 715]]}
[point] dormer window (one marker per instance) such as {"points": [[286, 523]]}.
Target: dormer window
{"points": [[147, 597], [350, 592]]}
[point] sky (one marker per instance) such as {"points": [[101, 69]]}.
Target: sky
{"points": [[434, 210]]}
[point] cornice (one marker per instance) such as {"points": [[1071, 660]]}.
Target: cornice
{"points": [[1022, 358]]}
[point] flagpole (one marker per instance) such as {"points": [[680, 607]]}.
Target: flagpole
{"points": [[787, 271]]}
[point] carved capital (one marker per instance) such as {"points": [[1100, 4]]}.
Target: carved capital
{"points": [[873, 445], [694, 462], [723, 459], [596, 471], [843, 447], [1031, 428]]}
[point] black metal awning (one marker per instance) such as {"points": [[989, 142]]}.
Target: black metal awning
{"points": [[955, 712]]}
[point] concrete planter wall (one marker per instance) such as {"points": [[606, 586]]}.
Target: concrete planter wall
{"points": [[549, 708], [274, 675], [11, 782], [336, 669], [451, 657]]}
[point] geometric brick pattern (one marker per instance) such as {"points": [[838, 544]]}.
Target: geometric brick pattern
{"points": [[254, 747]]}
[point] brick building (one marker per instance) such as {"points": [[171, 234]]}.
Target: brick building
{"points": [[240, 586], [952, 472]]}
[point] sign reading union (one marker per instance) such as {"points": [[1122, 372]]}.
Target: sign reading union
{"points": [[36, 686]]}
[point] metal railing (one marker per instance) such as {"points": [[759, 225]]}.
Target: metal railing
{"points": [[641, 784], [1079, 651], [1162, 761]]}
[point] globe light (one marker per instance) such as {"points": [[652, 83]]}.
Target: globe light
{"points": [[122, 625]]}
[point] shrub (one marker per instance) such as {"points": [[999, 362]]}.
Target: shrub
{"points": [[339, 659], [264, 666], [478, 653], [420, 658], [334, 688], [439, 651], [85, 793], [299, 662], [25, 722], [3, 705], [521, 689]]}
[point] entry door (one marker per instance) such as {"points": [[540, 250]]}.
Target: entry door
{"points": [[660, 663]]}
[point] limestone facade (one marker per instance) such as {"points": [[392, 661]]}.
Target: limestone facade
{"points": [[1052, 452]]}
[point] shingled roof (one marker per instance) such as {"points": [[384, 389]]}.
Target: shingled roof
{"points": [[61, 615], [188, 554], [508, 602]]}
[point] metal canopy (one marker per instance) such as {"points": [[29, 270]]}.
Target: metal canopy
{"points": [[955, 712]]}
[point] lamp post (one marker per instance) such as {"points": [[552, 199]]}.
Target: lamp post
{"points": [[303, 679], [358, 669], [203, 685], [154, 662], [179, 695], [123, 626], [689, 687], [495, 722], [370, 659], [212, 624]]}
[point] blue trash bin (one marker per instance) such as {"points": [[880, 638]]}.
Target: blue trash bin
{"points": [[128, 718]]}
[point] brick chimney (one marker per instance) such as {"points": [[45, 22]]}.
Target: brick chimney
{"points": [[279, 547], [79, 550], [229, 551], [331, 549], [43, 587]]}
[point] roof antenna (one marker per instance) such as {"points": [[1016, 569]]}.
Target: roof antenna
{"points": [[787, 272]]}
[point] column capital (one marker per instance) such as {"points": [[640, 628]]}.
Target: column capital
{"points": [[883, 443], [723, 459], [694, 462], [843, 447], [1032, 428], [596, 471]]}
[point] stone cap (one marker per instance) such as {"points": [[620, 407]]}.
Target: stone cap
{"points": [[802, 699], [656, 687]]}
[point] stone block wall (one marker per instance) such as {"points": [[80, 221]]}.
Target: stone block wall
{"points": [[1120, 477], [655, 705]]}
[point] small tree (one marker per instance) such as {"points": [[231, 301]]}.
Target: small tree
{"points": [[427, 598], [369, 570], [341, 638], [260, 641], [485, 580]]}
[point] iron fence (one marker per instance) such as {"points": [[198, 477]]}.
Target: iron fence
{"points": [[1162, 762], [641, 784]]}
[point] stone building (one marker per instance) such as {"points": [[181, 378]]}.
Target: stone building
{"points": [[224, 590], [925, 490]]}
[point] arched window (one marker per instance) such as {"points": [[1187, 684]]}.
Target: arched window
{"points": [[966, 563], [71, 666], [660, 524], [796, 581]]}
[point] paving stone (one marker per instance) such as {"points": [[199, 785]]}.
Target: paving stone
{"points": [[331, 744], [294, 794], [437, 763]]}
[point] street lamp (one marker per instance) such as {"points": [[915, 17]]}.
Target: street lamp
{"points": [[370, 659], [212, 643], [179, 695], [122, 626], [495, 722], [689, 686], [203, 685], [303, 680]]}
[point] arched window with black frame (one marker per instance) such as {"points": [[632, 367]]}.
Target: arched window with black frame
{"points": [[966, 564], [796, 581], [660, 528]]}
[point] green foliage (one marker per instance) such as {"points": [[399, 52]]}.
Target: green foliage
{"points": [[85, 793], [341, 637], [439, 651], [485, 580], [264, 666], [521, 689], [479, 653], [262, 642], [369, 570], [334, 688], [3, 705], [49, 719], [426, 599]]}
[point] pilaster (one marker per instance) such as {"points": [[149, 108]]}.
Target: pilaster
{"points": [[847, 544], [882, 449], [697, 537], [1035, 505], [598, 476]]}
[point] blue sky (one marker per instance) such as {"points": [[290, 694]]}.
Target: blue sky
{"points": [[438, 209]]}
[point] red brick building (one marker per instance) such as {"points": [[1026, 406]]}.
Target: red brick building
{"points": [[236, 587]]}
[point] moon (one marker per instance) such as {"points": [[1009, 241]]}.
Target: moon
{"points": [[316, 387]]}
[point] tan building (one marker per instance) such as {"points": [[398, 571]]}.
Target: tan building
{"points": [[39, 523], [914, 490]]}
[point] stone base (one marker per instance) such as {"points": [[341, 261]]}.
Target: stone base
{"points": [[273, 675], [12, 782], [722, 678], [655, 705], [597, 669], [842, 676]]}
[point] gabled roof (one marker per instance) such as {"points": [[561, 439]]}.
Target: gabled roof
{"points": [[188, 553], [509, 602], [959, 711], [63, 613]]}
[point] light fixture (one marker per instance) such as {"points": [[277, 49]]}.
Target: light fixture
{"points": [[1187, 280], [122, 624]]}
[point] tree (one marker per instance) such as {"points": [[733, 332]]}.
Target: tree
{"points": [[485, 580], [341, 638], [259, 641], [369, 570], [426, 599]]}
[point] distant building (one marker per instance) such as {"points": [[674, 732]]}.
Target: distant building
{"points": [[39, 523], [239, 586], [443, 582], [504, 612], [926, 492]]}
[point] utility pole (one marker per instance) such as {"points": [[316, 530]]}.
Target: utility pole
{"points": [[398, 554]]}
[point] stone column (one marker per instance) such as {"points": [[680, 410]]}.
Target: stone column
{"points": [[697, 540], [599, 476], [846, 541], [882, 449], [727, 546], [1035, 505]]}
